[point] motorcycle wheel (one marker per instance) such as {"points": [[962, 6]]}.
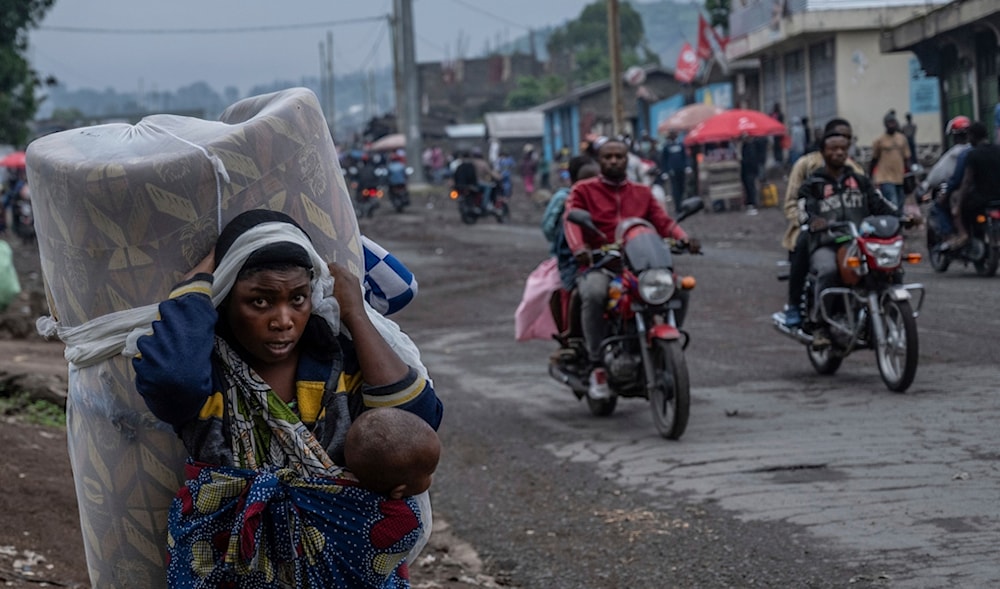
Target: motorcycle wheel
{"points": [[503, 213], [468, 215], [897, 359], [601, 407], [825, 360], [670, 401], [988, 265], [939, 261]]}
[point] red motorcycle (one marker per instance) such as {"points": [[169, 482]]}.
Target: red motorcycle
{"points": [[644, 348], [873, 309]]}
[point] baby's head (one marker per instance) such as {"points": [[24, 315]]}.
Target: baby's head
{"points": [[392, 452]]}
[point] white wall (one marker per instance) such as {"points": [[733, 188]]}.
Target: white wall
{"points": [[869, 83]]}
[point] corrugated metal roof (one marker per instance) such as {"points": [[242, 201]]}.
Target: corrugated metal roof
{"points": [[469, 131], [855, 4], [515, 124]]}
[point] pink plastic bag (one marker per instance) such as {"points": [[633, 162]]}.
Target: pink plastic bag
{"points": [[533, 319]]}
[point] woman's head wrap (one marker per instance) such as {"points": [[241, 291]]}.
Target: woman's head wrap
{"points": [[276, 254]]}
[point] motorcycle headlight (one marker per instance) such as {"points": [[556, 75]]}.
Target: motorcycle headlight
{"points": [[656, 286], [886, 255]]}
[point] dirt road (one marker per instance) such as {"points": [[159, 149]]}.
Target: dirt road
{"points": [[783, 479]]}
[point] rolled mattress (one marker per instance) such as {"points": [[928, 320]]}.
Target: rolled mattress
{"points": [[122, 212]]}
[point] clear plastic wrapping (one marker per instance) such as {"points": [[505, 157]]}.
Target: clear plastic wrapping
{"points": [[122, 212]]}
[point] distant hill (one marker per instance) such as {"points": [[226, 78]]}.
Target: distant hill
{"points": [[668, 24]]}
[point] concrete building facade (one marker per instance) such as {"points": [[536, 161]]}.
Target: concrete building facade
{"points": [[959, 43], [822, 59]]}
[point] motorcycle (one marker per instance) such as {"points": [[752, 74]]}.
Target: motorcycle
{"points": [[982, 250], [872, 310], [399, 193], [366, 183], [470, 203], [644, 349], [22, 216]]}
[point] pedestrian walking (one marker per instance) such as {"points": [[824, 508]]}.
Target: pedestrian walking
{"points": [[910, 131], [529, 168], [779, 116]]}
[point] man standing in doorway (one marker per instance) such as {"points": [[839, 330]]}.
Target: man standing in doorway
{"points": [[890, 155]]}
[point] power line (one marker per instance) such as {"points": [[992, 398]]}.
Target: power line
{"points": [[213, 31], [375, 46], [490, 14]]}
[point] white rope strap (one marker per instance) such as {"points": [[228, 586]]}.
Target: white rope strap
{"points": [[217, 164], [116, 333]]}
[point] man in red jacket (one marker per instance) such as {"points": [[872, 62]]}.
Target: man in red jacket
{"points": [[609, 198]]}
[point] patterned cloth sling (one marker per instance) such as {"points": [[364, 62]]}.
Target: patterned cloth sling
{"points": [[283, 517]]}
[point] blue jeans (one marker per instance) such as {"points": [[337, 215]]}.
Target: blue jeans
{"points": [[487, 195], [941, 217], [894, 194]]}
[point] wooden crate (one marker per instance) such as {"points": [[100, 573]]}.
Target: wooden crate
{"points": [[720, 181]]}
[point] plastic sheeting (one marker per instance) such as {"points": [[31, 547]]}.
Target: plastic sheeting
{"points": [[122, 212]]}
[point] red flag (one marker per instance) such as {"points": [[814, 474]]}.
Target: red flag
{"points": [[687, 64], [704, 46], [709, 41]]}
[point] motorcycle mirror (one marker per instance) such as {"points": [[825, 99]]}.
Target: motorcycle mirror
{"points": [[583, 219], [690, 206]]}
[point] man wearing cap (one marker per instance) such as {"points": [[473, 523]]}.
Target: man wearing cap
{"points": [[890, 154]]}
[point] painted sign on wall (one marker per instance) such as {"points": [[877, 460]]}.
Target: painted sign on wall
{"points": [[720, 94], [925, 96]]}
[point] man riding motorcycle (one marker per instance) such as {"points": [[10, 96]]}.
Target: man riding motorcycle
{"points": [[958, 129], [609, 198], [975, 180], [834, 193], [486, 176], [796, 242]]}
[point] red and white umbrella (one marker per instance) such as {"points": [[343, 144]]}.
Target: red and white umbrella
{"points": [[733, 124], [686, 118], [13, 160]]}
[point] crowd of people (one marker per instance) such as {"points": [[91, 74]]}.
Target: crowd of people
{"points": [[826, 182]]}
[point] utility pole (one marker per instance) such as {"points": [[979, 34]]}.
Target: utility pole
{"points": [[615, 51], [410, 107], [326, 82], [332, 117], [372, 101], [397, 63]]}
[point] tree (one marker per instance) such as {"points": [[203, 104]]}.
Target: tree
{"points": [[70, 116], [533, 91], [18, 81], [718, 14], [586, 40]]}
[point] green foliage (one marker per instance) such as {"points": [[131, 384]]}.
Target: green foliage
{"points": [[34, 411], [18, 80], [586, 40], [67, 115], [718, 13], [533, 91]]}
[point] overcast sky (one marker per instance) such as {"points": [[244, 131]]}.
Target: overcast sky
{"points": [[126, 44]]}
